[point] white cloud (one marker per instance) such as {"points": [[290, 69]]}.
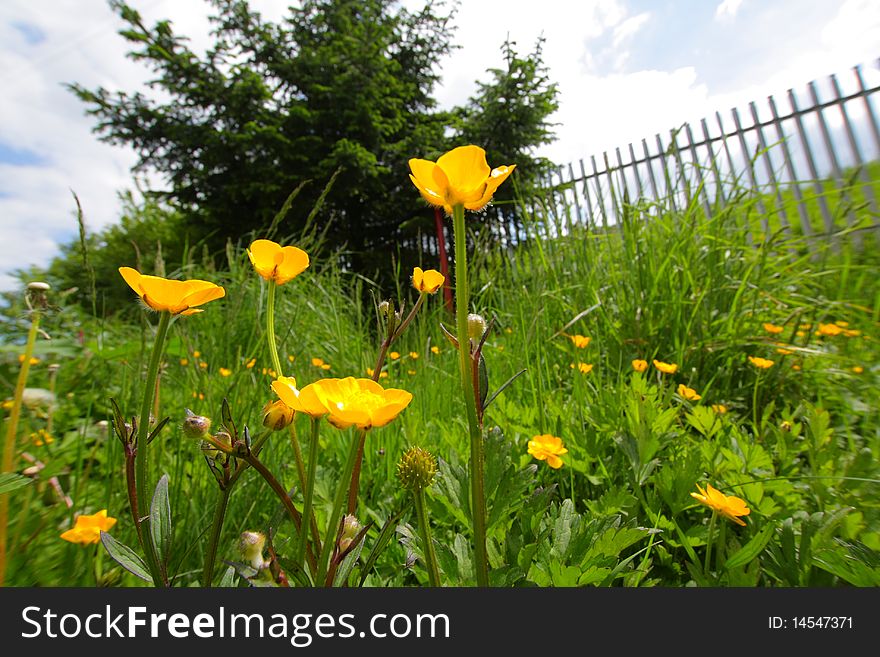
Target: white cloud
{"points": [[625, 30], [728, 9]]}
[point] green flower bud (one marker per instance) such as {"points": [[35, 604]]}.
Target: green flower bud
{"points": [[350, 529], [251, 545], [476, 326], [417, 469], [196, 426]]}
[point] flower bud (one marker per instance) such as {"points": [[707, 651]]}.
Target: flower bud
{"points": [[251, 545], [416, 469], [196, 426], [277, 415], [785, 426], [384, 307], [476, 326], [350, 529]]}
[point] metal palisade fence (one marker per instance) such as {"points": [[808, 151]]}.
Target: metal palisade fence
{"points": [[797, 152]]}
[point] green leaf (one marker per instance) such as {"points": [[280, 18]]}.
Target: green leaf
{"points": [[125, 557], [228, 579], [751, 549], [382, 541], [160, 521], [10, 481]]}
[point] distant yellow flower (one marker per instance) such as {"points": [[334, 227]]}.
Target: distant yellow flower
{"points": [[805, 327], [584, 368], [410, 372], [760, 363], [197, 354], [427, 282], [666, 368], [459, 177], [796, 367], [275, 262], [301, 400], [33, 361], [87, 529], [42, 437], [360, 402], [721, 409], [371, 372], [435, 350], [801, 334], [394, 355], [640, 365], [198, 395], [175, 297], [414, 355], [290, 358], [548, 448], [203, 365], [225, 372], [858, 369], [841, 323], [580, 341], [829, 330], [184, 362], [851, 333], [773, 328], [250, 363], [727, 505], [317, 362], [688, 393], [783, 351]]}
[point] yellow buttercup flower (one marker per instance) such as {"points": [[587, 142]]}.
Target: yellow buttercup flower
{"points": [[640, 365], [580, 341], [394, 355], [760, 363], [460, 177], [414, 355], [583, 368], [773, 328], [548, 448], [360, 402], [666, 368], [275, 262], [829, 330], [435, 350], [688, 393], [197, 354], [225, 372], [721, 409], [317, 362], [858, 369], [184, 362], [301, 400], [277, 415], [33, 361], [176, 297], [729, 506], [87, 529], [250, 363], [427, 282]]}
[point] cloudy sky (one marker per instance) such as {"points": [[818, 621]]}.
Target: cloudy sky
{"points": [[626, 69]]}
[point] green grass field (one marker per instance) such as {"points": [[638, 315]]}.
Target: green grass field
{"points": [[797, 442]]}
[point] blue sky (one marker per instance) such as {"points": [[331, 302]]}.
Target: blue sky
{"points": [[626, 70]]}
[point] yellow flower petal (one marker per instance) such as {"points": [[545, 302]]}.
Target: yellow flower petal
{"points": [[275, 262], [175, 297]]}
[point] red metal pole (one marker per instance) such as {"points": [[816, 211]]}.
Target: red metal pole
{"points": [[444, 262]]}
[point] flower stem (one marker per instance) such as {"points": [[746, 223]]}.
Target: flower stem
{"points": [[270, 330], [141, 461], [308, 491], [11, 430], [709, 542], [274, 484], [216, 530], [425, 534], [339, 500], [478, 500]]}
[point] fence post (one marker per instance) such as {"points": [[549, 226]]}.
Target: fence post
{"points": [[806, 226], [783, 216]]}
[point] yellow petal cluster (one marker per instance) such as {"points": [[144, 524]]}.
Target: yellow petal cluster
{"points": [[640, 365], [760, 363], [360, 402], [301, 400], [275, 262], [460, 177], [666, 368], [427, 282], [87, 529], [547, 447], [175, 297], [688, 393], [580, 341], [727, 505]]}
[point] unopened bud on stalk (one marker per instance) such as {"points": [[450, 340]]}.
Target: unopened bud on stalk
{"points": [[36, 294], [251, 545], [196, 426], [350, 529], [384, 307], [476, 326], [416, 469], [277, 415]]}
